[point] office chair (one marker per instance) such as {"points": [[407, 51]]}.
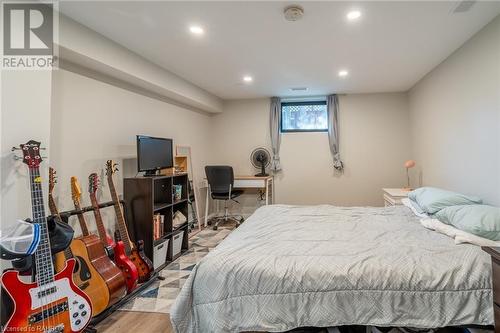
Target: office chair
{"points": [[220, 185]]}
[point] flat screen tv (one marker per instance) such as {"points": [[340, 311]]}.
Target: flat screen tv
{"points": [[154, 154]]}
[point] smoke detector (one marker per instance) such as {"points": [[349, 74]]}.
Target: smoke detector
{"points": [[293, 13]]}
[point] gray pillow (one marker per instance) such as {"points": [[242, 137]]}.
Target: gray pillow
{"points": [[480, 220], [432, 199]]}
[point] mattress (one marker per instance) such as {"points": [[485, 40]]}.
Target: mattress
{"points": [[322, 266]]}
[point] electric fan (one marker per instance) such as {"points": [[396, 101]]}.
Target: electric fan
{"points": [[260, 158]]}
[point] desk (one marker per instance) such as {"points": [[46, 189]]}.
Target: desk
{"points": [[265, 184]]}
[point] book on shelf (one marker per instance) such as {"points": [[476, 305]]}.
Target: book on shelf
{"points": [[158, 226]]}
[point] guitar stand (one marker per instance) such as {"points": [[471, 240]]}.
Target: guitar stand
{"points": [[97, 319]]}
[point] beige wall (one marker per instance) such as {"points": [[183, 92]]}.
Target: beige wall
{"points": [[93, 121], [374, 145], [455, 118]]}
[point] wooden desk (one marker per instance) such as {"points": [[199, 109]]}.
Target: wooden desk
{"points": [[265, 184]]}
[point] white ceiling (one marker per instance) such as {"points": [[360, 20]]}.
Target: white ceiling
{"points": [[388, 49]]}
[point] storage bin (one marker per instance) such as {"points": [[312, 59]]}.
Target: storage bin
{"points": [[160, 253], [177, 243]]}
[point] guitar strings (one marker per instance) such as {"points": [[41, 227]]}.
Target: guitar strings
{"points": [[46, 258], [38, 254]]}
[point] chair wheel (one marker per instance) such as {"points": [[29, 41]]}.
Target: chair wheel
{"points": [[242, 220], [215, 227], [209, 222]]}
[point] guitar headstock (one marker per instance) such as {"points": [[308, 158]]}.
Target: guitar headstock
{"points": [[52, 179], [111, 168], [76, 191], [31, 153], [93, 183]]}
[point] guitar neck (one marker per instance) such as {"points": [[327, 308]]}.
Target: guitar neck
{"points": [[54, 211], [122, 228], [52, 206], [81, 219], [43, 256], [98, 218]]}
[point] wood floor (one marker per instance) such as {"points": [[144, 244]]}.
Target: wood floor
{"points": [[133, 321]]}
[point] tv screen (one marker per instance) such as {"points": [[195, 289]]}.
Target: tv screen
{"points": [[154, 153]]}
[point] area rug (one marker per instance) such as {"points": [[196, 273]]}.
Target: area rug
{"points": [[160, 296]]}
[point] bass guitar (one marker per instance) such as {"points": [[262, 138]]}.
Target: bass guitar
{"points": [[53, 303], [113, 276], [135, 252]]}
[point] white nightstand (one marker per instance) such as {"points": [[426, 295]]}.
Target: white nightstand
{"points": [[393, 196]]}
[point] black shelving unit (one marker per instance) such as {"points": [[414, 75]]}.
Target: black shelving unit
{"points": [[147, 196]]}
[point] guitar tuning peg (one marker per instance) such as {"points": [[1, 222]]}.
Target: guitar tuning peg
{"points": [[15, 148], [43, 148], [17, 158], [45, 157]]}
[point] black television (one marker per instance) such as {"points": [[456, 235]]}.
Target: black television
{"points": [[154, 154]]}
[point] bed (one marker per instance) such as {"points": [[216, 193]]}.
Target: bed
{"points": [[323, 266]]}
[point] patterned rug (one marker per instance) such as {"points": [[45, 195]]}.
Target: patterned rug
{"points": [[160, 296]]}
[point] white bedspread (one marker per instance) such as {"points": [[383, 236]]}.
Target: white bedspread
{"points": [[290, 266]]}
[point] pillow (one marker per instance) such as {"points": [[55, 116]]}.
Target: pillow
{"points": [[415, 208], [459, 236], [432, 200], [480, 220]]}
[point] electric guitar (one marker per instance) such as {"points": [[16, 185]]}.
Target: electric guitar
{"points": [[134, 252], [106, 268], [53, 303]]}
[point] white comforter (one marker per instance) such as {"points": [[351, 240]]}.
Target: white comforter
{"points": [[290, 266]]}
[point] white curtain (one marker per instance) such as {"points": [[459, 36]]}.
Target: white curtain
{"points": [[332, 104], [274, 126]]}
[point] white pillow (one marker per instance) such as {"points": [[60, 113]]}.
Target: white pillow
{"points": [[408, 203], [458, 235]]}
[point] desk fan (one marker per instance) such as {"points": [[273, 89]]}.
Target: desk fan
{"points": [[260, 159]]}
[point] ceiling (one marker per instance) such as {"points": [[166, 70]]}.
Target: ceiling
{"points": [[388, 49]]}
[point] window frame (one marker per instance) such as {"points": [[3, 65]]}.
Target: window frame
{"points": [[282, 130]]}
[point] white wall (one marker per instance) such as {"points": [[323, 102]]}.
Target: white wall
{"points": [[25, 115], [374, 144], [455, 118], [93, 121]]}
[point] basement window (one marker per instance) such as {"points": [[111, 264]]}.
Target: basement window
{"points": [[304, 117]]}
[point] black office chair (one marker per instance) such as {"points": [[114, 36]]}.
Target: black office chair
{"points": [[220, 184]]}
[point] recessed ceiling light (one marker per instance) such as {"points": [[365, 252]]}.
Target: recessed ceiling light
{"points": [[247, 78], [197, 30], [353, 15], [343, 73]]}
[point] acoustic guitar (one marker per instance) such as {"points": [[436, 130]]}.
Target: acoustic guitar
{"points": [[53, 303], [87, 249], [135, 252], [84, 274], [106, 268], [94, 183]]}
